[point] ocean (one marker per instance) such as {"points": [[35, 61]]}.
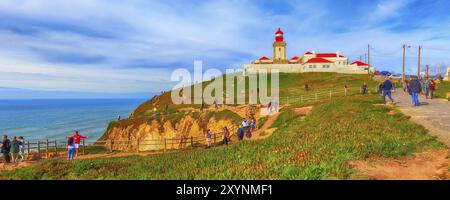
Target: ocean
{"points": [[58, 118]]}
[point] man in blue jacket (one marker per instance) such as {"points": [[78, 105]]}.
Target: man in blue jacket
{"points": [[414, 89], [386, 87]]}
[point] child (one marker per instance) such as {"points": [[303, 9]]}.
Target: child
{"points": [[70, 148], [226, 135]]}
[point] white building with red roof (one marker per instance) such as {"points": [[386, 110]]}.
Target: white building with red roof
{"points": [[308, 62]]}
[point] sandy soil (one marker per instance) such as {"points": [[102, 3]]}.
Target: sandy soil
{"points": [[427, 165]]}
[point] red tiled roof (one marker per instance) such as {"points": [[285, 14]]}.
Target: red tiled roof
{"points": [[264, 58], [308, 53], [279, 31], [328, 55], [359, 63], [295, 58], [318, 60]]}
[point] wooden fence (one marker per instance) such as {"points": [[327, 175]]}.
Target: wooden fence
{"points": [[51, 148], [320, 95]]}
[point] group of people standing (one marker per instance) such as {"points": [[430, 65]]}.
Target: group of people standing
{"points": [[246, 129], [73, 143], [14, 149]]}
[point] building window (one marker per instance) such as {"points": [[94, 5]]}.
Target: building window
{"points": [[326, 66]]}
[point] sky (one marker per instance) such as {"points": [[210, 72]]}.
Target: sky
{"points": [[132, 46]]}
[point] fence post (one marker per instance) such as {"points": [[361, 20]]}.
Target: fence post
{"points": [[84, 146], [330, 94], [192, 141], [39, 148], [28, 149], [46, 148], [56, 148], [287, 100], [137, 145], [165, 145], [316, 96]]}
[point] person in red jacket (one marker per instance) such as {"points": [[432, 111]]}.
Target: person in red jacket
{"points": [[77, 138]]}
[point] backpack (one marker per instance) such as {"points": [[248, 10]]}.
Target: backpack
{"points": [[227, 135]]}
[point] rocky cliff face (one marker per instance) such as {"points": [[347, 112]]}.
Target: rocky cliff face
{"points": [[152, 133]]}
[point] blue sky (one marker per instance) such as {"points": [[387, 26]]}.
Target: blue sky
{"points": [[118, 46]]}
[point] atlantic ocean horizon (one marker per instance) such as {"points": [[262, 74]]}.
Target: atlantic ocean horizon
{"points": [[56, 119]]}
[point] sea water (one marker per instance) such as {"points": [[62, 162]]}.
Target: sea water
{"points": [[57, 119]]}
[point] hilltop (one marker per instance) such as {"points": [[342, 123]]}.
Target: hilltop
{"points": [[332, 141]]}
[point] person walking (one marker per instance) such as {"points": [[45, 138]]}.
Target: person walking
{"points": [[6, 148], [208, 137], [345, 89], [252, 124], [415, 88], [432, 87], [386, 88], [77, 138], [275, 106], [70, 148], [22, 148], [364, 88], [15, 147], [425, 87], [225, 135]]}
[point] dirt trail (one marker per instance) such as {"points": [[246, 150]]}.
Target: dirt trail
{"points": [[265, 131], [427, 165]]}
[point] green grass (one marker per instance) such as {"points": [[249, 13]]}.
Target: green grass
{"points": [[317, 147]]}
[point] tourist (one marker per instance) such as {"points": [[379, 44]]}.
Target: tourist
{"points": [[275, 105], [70, 148], [432, 87], [269, 108], [405, 86], [364, 88], [118, 118], [345, 89], [415, 88], [386, 87], [208, 137], [15, 149], [22, 148], [425, 86], [225, 135], [6, 148], [252, 124], [244, 123], [239, 131], [215, 104], [77, 139]]}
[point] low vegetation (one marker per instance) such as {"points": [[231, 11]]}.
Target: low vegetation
{"points": [[317, 147]]}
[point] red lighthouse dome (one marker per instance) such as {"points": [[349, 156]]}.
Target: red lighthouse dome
{"points": [[279, 35]]}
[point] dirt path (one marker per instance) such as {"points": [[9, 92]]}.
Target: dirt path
{"points": [[427, 165], [265, 131], [433, 114]]}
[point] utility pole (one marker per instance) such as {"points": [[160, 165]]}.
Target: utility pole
{"points": [[418, 65], [403, 66], [368, 59]]}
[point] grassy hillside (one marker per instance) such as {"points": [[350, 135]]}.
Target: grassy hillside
{"points": [[317, 147]]}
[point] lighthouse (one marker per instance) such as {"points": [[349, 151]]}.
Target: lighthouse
{"points": [[279, 48]]}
